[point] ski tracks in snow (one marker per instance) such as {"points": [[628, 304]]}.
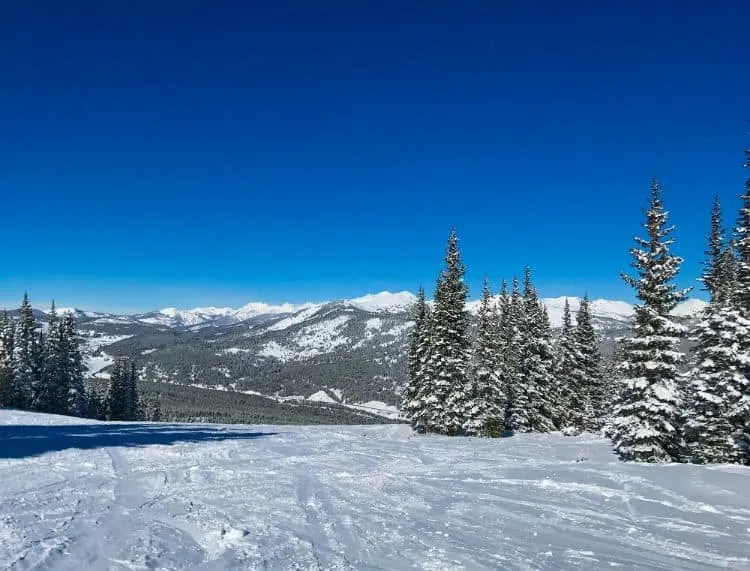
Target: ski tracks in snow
{"points": [[368, 498]]}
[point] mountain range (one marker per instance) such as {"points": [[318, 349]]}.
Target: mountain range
{"points": [[346, 351]]}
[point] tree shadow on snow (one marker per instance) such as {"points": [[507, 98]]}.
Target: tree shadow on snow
{"points": [[23, 441]]}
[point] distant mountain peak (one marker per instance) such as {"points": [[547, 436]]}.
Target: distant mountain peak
{"points": [[385, 301]]}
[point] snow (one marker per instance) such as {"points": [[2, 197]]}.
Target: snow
{"points": [[79, 494], [148, 351], [322, 337], [384, 302], [316, 339], [398, 330], [295, 319], [203, 316], [95, 363], [321, 396], [233, 351], [373, 324], [378, 407], [690, 308], [274, 350]]}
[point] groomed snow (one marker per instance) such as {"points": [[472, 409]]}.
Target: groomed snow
{"points": [[84, 495]]}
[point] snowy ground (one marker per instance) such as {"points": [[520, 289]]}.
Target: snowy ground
{"points": [[77, 496]]}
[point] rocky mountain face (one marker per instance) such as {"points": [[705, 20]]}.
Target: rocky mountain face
{"points": [[348, 351]]}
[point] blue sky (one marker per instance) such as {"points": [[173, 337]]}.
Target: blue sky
{"points": [[193, 153]]}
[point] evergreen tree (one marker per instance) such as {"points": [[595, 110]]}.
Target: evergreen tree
{"points": [[50, 389], [118, 404], [537, 363], [645, 420], [73, 390], [413, 405], [486, 411], [716, 374], [517, 407], [26, 359], [714, 251], [569, 378], [7, 366], [136, 413], [152, 410], [739, 405], [425, 400], [449, 354], [97, 403], [596, 397], [718, 362]]}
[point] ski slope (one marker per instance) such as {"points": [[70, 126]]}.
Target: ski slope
{"points": [[78, 495]]}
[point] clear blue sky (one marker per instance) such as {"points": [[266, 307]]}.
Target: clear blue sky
{"points": [[189, 153]]}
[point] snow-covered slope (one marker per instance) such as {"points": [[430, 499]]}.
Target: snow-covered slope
{"points": [[203, 316], [85, 495], [385, 302]]}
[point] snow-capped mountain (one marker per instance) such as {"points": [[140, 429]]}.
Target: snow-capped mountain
{"points": [[215, 316], [383, 302], [351, 350]]}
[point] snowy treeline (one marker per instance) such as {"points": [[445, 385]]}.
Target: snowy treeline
{"points": [[656, 404], [511, 376], [42, 369], [701, 415]]}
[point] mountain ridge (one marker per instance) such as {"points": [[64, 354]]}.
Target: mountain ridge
{"points": [[382, 302]]}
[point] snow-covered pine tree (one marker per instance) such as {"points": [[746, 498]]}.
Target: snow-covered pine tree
{"points": [[7, 368], [449, 354], [486, 410], [25, 357], [73, 388], [718, 362], [569, 377], [644, 425], [50, 393], [593, 382], [412, 406], [714, 251], [739, 409], [537, 362], [133, 398], [517, 407], [117, 405], [427, 401]]}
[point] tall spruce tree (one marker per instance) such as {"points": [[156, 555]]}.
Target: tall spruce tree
{"points": [[569, 377], [26, 359], [537, 363], [739, 407], [449, 354], [413, 405], [7, 367], [73, 390], [486, 411], [645, 420], [122, 398], [593, 383], [517, 404], [714, 251], [718, 361], [50, 394]]}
